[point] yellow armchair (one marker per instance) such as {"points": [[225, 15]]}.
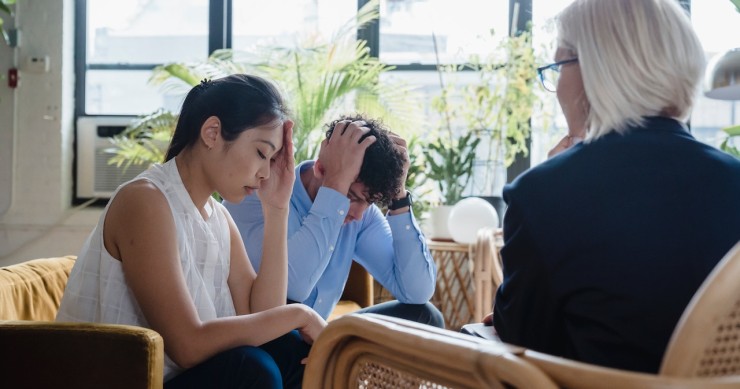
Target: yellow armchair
{"points": [[36, 352]]}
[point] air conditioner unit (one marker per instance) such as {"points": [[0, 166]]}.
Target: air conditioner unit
{"points": [[95, 178]]}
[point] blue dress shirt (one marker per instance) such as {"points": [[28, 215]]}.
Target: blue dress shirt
{"points": [[321, 247]]}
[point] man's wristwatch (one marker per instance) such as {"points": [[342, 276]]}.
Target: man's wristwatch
{"points": [[400, 203]]}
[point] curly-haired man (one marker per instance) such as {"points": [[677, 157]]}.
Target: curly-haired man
{"points": [[333, 219]]}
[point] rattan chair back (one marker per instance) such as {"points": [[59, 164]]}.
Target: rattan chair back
{"points": [[374, 351], [706, 342]]}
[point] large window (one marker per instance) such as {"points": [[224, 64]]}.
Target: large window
{"points": [[126, 40], [287, 22], [407, 29], [123, 41]]}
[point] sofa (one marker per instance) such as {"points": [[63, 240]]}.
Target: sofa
{"points": [[36, 352]]}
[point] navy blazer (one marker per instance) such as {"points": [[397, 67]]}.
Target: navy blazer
{"points": [[606, 243]]}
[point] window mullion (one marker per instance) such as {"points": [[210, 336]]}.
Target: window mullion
{"points": [[524, 16], [219, 25], [370, 33]]}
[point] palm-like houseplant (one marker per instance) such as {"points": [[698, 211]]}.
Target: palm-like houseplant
{"points": [[318, 79]]}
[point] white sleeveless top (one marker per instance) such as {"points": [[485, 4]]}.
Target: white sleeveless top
{"points": [[97, 289]]}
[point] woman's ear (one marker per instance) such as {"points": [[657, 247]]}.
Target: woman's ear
{"points": [[210, 131]]}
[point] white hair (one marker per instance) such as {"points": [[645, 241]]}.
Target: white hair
{"points": [[637, 58]]}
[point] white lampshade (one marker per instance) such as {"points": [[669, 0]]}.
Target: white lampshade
{"points": [[722, 78], [468, 216]]}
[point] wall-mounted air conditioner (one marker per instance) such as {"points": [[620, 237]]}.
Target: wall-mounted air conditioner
{"points": [[95, 178]]}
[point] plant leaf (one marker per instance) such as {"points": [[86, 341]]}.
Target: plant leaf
{"points": [[734, 130], [737, 4]]}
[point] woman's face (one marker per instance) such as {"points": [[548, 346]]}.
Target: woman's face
{"points": [[571, 95], [245, 162]]}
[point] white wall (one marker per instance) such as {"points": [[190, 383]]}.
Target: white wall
{"points": [[36, 139]]}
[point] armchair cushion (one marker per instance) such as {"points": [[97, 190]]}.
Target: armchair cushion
{"points": [[33, 290]]}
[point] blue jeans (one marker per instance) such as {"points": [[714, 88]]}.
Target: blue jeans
{"points": [[276, 364], [420, 313]]}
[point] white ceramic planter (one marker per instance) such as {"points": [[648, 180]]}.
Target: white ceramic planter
{"points": [[438, 218]]}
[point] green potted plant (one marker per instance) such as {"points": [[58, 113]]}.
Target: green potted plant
{"points": [[486, 123], [497, 107], [448, 160], [449, 163]]}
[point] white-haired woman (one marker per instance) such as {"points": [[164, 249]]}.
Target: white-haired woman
{"points": [[606, 243]]}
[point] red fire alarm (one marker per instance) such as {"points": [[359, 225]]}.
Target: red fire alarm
{"points": [[12, 77]]}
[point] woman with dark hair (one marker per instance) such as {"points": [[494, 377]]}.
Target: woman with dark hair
{"points": [[165, 255]]}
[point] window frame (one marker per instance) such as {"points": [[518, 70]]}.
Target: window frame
{"points": [[220, 36]]}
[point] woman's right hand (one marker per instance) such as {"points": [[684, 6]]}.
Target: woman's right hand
{"points": [[488, 319], [567, 142], [276, 190], [313, 325]]}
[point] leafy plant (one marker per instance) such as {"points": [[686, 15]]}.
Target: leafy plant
{"points": [[727, 144], [145, 140], [496, 107], [416, 180], [450, 164], [501, 102], [318, 79]]}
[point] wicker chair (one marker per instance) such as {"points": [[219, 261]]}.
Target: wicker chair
{"points": [[374, 351], [704, 351]]}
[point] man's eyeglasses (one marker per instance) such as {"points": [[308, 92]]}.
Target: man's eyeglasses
{"points": [[549, 74]]}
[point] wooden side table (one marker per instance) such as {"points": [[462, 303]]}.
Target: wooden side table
{"points": [[467, 277]]}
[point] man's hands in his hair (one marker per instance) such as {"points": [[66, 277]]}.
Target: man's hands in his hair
{"points": [[340, 157]]}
